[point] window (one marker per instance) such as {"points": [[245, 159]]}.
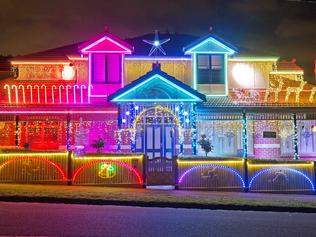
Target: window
{"points": [[106, 68], [210, 69]]}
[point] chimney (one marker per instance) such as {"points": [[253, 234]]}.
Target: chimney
{"points": [[156, 66]]}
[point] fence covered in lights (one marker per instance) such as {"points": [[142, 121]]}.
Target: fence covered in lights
{"points": [[64, 167], [234, 174], [249, 175]]}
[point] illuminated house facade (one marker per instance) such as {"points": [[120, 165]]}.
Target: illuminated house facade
{"points": [[158, 94]]}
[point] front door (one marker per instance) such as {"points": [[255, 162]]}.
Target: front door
{"points": [[156, 138], [159, 141]]}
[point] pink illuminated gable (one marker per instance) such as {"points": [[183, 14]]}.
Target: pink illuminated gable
{"points": [[106, 43]]}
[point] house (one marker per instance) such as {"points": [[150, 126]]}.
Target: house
{"points": [[158, 94]]}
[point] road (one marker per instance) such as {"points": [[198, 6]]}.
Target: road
{"points": [[38, 219]]}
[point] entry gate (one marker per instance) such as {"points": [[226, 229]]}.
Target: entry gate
{"points": [[161, 171]]}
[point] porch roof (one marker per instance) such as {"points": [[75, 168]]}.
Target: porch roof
{"points": [[157, 86]]}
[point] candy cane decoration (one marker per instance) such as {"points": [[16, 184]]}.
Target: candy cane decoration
{"points": [[38, 93], [9, 92], [75, 88], [45, 92], [90, 87], [31, 92], [53, 95], [61, 86], [81, 92], [23, 92], [16, 93], [67, 93]]}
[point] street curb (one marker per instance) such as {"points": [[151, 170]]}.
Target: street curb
{"points": [[157, 204]]}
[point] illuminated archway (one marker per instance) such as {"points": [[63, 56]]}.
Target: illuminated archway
{"points": [[160, 109], [256, 175], [232, 171], [91, 163], [51, 163]]}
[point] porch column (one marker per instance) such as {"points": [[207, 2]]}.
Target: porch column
{"points": [[244, 135], [193, 128], [181, 120], [295, 138], [131, 121], [68, 132], [17, 131], [119, 127]]}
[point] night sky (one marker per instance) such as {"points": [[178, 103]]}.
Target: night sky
{"points": [[282, 27]]}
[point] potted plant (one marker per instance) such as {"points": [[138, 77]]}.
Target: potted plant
{"points": [[205, 144], [98, 144]]}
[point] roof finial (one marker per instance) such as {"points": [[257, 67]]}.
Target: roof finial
{"points": [[106, 28], [210, 28]]}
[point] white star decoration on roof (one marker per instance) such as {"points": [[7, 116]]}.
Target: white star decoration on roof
{"points": [[156, 45]]}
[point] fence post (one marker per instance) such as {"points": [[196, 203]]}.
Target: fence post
{"points": [[70, 167], [176, 185], [314, 170], [144, 170], [246, 189]]}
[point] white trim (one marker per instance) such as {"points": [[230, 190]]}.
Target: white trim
{"points": [[269, 146]]}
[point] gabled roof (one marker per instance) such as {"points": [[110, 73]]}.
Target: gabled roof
{"points": [[209, 43], [106, 42], [157, 86], [173, 48]]}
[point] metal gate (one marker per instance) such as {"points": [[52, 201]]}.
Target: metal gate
{"points": [[161, 171]]}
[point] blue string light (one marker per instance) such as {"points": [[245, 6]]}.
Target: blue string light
{"points": [[234, 172], [281, 168]]}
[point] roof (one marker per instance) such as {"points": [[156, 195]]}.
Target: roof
{"points": [[104, 41], [289, 65], [173, 48], [169, 89], [206, 37], [59, 53]]}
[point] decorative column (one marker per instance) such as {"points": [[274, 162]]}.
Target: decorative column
{"points": [[181, 120], [295, 138], [131, 121], [244, 135], [69, 152], [193, 128], [68, 132], [119, 127], [17, 131]]}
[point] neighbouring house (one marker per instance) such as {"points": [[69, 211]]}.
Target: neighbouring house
{"points": [[158, 94]]}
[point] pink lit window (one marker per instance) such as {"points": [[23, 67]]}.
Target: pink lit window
{"points": [[106, 68]]}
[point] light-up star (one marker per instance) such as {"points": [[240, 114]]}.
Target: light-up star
{"points": [[156, 45]]}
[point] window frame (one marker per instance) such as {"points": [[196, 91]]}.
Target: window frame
{"points": [[106, 78]]}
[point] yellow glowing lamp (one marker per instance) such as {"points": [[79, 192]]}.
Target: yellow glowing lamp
{"points": [[68, 73]]}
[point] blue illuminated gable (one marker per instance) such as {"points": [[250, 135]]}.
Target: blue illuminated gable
{"points": [[209, 44], [157, 86]]}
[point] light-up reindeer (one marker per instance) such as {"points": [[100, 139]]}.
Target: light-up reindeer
{"points": [[274, 89], [296, 90], [311, 97]]}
